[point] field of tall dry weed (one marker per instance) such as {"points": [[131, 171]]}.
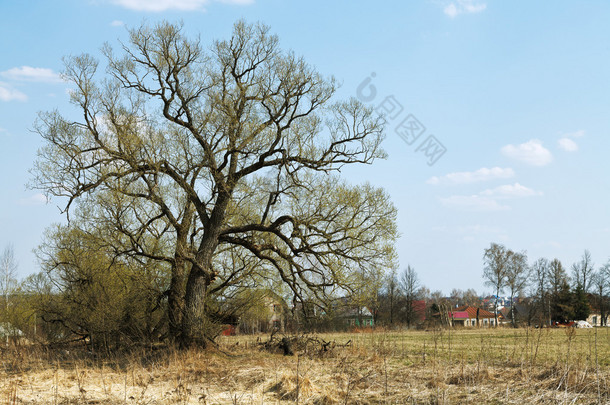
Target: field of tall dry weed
{"points": [[503, 366]]}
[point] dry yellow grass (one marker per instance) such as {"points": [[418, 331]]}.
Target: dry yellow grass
{"points": [[436, 367]]}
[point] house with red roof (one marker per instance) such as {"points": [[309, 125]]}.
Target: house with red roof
{"points": [[468, 316]]}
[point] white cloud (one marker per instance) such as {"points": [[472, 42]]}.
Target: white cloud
{"points": [[31, 74], [473, 203], [164, 5], [568, 145], [161, 5], [36, 199], [577, 134], [458, 7], [510, 191], [7, 93], [451, 10], [117, 23], [482, 174], [531, 152], [489, 200]]}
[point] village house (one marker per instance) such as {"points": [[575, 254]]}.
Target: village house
{"points": [[595, 319], [357, 317], [468, 316]]}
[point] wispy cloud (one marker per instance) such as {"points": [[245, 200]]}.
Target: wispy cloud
{"points": [[568, 145], [531, 152], [457, 7], [117, 23], [36, 199], [490, 199], [510, 191], [8, 93], [179, 5], [31, 74], [482, 174], [237, 2], [576, 134], [473, 203], [567, 142]]}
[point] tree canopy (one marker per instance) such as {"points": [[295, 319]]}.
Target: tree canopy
{"points": [[222, 163]]}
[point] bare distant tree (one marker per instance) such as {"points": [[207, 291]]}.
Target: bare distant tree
{"points": [[8, 273], [540, 278], [8, 281], [601, 283], [557, 276], [495, 260], [471, 298], [392, 293], [456, 296], [424, 294], [376, 280], [558, 283], [409, 283], [437, 297], [582, 272], [441, 305], [516, 278]]}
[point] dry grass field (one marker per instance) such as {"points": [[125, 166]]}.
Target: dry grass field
{"points": [[504, 366]]}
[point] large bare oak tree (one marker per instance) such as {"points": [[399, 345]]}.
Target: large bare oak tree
{"points": [[230, 155]]}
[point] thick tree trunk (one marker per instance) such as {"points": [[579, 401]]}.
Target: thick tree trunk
{"points": [[175, 299], [194, 322], [176, 293]]}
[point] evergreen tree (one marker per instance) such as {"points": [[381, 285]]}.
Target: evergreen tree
{"points": [[580, 304], [562, 308]]}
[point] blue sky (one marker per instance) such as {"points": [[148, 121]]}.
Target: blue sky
{"points": [[517, 93]]}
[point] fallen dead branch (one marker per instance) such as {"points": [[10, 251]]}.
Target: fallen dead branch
{"points": [[304, 343]]}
